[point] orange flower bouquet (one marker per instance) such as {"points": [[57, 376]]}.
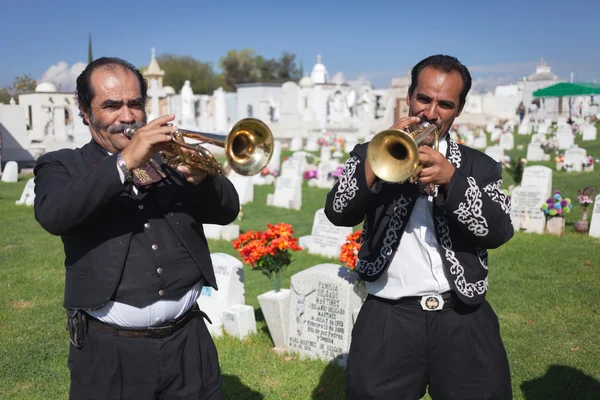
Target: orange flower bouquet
{"points": [[269, 252], [349, 250]]}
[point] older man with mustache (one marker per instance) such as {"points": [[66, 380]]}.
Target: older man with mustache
{"points": [[136, 256]]}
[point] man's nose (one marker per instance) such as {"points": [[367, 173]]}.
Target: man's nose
{"points": [[430, 112], [126, 115]]}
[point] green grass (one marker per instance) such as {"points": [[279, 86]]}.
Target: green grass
{"points": [[545, 290]]}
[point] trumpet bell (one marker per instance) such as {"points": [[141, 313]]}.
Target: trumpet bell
{"points": [[393, 155], [249, 146]]}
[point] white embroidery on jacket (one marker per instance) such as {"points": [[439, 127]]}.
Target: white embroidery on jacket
{"points": [[347, 185], [497, 195], [454, 155], [392, 235], [482, 254], [468, 289], [470, 212]]}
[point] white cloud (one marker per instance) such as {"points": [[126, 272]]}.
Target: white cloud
{"points": [[62, 76]]}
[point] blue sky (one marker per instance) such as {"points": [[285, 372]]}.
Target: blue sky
{"points": [[500, 41]]}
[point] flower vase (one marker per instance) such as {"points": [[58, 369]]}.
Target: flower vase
{"points": [[583, 225], [275, 307], [555, 226]]}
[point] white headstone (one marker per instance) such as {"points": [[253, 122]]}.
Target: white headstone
{"points": [[244, 186], [28, 195], [288, 193], [325, 239], [229, 273], [11, 172], [574, 158], [540, 177], [320, 316], [589, 132], [275, 162], [507, 141], [239, 320], [595, 223], [535, 152], [525, 213], [480, 142], [291, 167], [296, 143], [524, 128], [495, 152], [565, 138]]}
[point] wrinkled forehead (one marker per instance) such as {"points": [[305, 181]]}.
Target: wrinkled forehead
{"points": [[115, 82], [440, 84]]}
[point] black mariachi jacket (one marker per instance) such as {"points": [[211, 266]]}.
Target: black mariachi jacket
{"points": [[470, 216], [78, 196]]}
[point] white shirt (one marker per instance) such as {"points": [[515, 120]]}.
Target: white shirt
{"points": [[416, 268], [155, 314]]}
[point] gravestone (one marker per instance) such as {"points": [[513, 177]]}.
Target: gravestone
{"points": [[28, 195], [288, 193], [540, 177], [565, 138], [244, 186], [507, 141], [239, 320], [495, 152], [296, 143], [574, 158], [275, 162], [325, 239], [311, 143], [589, 132], [535, 152], [221, 232], [11, 172], [320, 314], [595, 222], [524, 128], [480, 142], [229, 273], [525, 212], [291, 167]]}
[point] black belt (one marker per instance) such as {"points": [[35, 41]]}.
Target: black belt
{"points": [[428, 302], [158, 332]]}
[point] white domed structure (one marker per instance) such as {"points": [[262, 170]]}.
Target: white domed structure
{"points": [[306, 82], [45, 87], [169, 90], [319, 72]]}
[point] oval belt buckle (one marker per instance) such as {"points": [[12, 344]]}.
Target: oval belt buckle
{"points": [[432, 302]]}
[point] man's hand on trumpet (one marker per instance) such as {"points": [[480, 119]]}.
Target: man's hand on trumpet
{"points": [[192, 175], [437, 169], [148, 140]]}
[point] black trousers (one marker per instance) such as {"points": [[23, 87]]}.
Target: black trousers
{"points": [[184, 365], [399, 351]]}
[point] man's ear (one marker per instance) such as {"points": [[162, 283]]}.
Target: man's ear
{"points": [[84, 117], [460, 110], [408, 99]]}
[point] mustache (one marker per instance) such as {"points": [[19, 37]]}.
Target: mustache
{"points": [[118, 128]]}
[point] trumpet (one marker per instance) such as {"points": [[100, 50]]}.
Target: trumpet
{"points": [[393, 154], [248, 148]]}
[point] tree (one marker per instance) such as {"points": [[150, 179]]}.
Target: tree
{"points": [[240, 67], [178, 69], [21, 84], [90, 58], [246, 66], [288, 71]]}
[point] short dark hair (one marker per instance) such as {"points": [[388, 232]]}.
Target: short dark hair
{"points": [[85, 92], [444, 63]]}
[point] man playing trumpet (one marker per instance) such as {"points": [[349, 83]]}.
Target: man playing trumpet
{"points": [[426, 324], [135, 252]]}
